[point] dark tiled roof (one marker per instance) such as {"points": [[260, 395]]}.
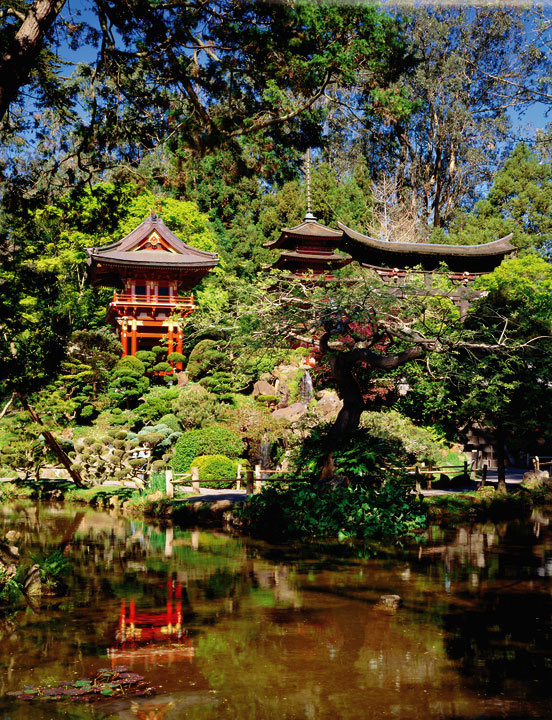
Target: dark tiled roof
{"points": [[121, 253], [309, 229], [496, 247]]}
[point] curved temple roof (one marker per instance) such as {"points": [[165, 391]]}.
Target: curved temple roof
{"points": [[150, 245], [309, 229], [380, 253]]}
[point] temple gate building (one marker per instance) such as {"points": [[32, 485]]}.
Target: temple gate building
{"points": [[150, 270]]}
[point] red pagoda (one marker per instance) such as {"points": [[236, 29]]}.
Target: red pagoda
{"points": [[150, 268], [309, 249]]}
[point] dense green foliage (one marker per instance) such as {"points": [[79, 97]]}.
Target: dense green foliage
{"points": [[304, 510], [210, 440], [210, 131]]}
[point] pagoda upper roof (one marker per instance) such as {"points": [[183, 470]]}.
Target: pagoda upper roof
{"points": [[153, 245], [381, 253], [309, 229]]}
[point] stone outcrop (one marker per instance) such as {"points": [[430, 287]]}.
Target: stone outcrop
{"points": [[292, 413], [536, 478], [328, 405], [262, 387]]}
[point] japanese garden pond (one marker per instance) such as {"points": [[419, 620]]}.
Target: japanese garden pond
{"points": [[224, 626]]}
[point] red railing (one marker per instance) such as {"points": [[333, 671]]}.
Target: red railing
{"points": [[175, 301]]}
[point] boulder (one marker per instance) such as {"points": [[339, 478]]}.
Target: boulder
{"points": [[221, 506], [390, 603], [33, 581], [13, 536], [282, 390], [329, 405], [292, 413], [262, 387], [182, 379], [284, 372], [536, 478]]}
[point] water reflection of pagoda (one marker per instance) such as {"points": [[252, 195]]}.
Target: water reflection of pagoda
{"points": [[152, 635]]}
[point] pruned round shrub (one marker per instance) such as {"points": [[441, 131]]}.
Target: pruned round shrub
{"points": [[147, 357], [204, 357], [162, 367], [196, 407], [87, 412], [176, 357], [129, 363], [171, 421], [216, 467], [214, 439], [267, 399]]}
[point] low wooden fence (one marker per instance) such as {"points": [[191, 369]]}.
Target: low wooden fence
{"points": [[254, 478], [538, 462]]}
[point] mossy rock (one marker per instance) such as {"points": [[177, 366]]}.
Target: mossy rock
{"points": [[267, 399]]}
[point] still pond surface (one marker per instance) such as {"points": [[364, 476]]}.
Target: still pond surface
{"points": [[228, 627]]}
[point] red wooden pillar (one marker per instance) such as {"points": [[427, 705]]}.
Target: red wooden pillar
{"points": [[133, 339], [178, 608], [179, 342], [124, 338], [132, 618], [170, 608], [171, 338]]}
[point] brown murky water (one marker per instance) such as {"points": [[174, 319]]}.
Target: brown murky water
{"points": [[232, 628]]}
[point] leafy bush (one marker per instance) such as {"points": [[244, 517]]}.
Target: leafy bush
{"points": [[410, 442], [195, 407], [87, 413], [176, 357], [156, 403], [127, 381], [204, 357], [360, 455], [147, 357], [159, 437], [267, 399], [215, 467], [219, 383], [162, 367], [214, 439], [171, 421], [304, 510]]}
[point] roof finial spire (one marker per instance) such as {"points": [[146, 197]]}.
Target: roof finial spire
{"points": [[155, 207], [309, 215]]}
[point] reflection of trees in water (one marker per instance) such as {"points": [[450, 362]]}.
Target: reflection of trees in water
{"points": [[497, 606]]}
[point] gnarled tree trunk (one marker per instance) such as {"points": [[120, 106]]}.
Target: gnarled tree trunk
{"points": [[20, 57], [342, 365]]}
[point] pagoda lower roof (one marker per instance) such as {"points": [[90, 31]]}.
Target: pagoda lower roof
{"points": [[380, 253], [310, 230], [151, 245], [153, 258]]}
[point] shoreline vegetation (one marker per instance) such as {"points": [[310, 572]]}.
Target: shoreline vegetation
{"points": [[270, 515]]}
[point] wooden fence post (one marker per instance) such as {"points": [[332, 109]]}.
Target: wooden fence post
{"points": [[417, 481], [238, 477], [430, 476], [536, 463], [483, 480], [169, 487], [258, 475], [249, 482], [195, 480]]}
